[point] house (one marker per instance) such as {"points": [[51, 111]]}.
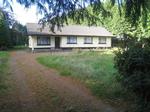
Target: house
{"points": [[72, 36]]}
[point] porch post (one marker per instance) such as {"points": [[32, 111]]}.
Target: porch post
{"points": [[32, 49], [32, 45]]}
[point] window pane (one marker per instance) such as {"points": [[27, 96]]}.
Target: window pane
{"points": [[71, 40], [43, 40], [102, 40], [88, 40]]}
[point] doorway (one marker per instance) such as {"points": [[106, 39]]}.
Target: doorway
{"points": [[57, 42]]}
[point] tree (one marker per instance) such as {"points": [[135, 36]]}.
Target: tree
{"points": [[18, 34], [56, 8], [4, 32], [6, 21]]}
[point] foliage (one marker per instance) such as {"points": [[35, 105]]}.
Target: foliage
{"points": [[6, 21], [118, 25], [133, 65], [134, 9], [11, 32], [95, 69], [18, 34], [4, 33]]}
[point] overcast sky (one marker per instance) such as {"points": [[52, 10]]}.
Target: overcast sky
{"points": [[24, 15]]}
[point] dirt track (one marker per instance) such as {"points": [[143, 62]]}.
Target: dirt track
{"points": [[40, 89]]}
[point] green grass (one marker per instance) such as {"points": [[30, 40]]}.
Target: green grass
{"points": [[95, 69], [18, 47], [3, 69]]}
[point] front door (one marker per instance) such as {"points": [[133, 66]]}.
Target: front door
{"points": [[57, 42]]}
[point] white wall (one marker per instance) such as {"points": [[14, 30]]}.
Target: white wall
{"points": [[33, 42], [63, 43], [80, 43], [30, 41]]}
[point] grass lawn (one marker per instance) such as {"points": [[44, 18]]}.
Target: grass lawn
{"points": [[18, 47], [95, 69], [3, 70]]}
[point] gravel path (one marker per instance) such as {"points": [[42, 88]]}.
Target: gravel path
{"points": [[39, 89]]}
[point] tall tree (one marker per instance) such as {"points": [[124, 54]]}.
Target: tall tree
{"points": [[18, 34], [56, 8], [4, 32]]}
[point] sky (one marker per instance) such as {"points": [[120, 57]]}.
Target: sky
{"points": [[24, 15]]}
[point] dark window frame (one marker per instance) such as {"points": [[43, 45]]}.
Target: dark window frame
{"points": [[88, 42], [48, 40], [103, 42], [69, 38]]}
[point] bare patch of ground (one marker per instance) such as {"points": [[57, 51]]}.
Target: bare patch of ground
{"points": [[36, 88]]}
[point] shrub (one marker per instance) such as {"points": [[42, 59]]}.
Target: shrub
{"points": [[133, 65]]}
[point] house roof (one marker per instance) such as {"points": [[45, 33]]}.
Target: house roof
{"points": [[77, 30]]}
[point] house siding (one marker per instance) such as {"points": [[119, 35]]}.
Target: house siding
{"points": [[33, 42], [80, 43]]}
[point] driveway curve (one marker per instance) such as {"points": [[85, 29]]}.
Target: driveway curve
{"points": [[37, 88]]}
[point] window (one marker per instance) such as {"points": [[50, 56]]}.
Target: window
{"points": [[102, 40], [88, 40], [71, 40], [43, 40]]}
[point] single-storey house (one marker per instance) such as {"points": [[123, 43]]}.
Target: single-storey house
{"points": [[72, 36]]}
